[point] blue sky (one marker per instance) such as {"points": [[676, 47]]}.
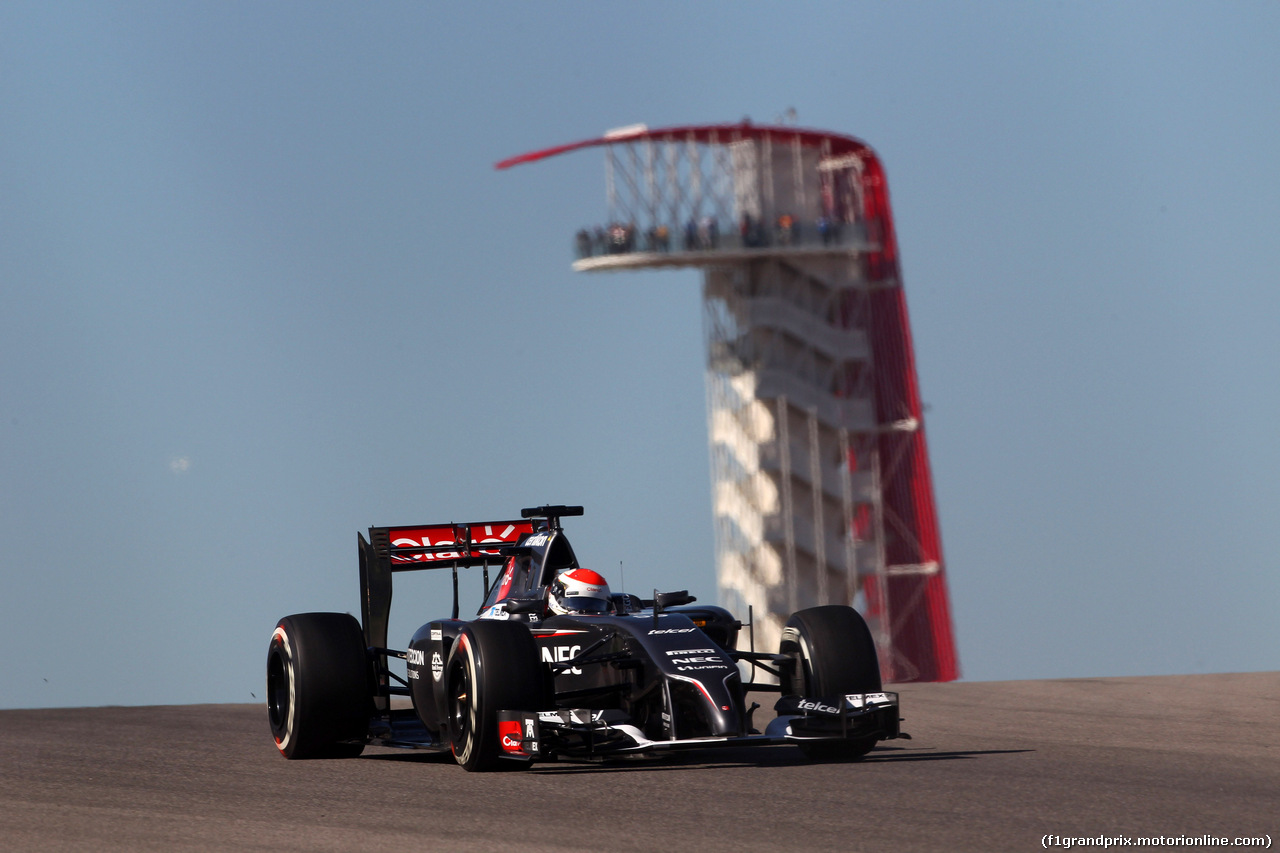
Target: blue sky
{"points": [[262, 288]]}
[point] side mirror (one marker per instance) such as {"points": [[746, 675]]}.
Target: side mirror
{"points": [[523, 605], [625, 602], [663, 600]]}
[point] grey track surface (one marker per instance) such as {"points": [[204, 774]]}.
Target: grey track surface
{"points": [[993, 766]]}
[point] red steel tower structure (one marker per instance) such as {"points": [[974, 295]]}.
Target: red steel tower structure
{"points": [[821, 485]]}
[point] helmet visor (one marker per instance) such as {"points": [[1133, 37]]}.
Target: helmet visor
{"points": [[583, 604]]}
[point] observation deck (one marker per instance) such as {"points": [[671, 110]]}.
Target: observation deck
{"points": [[601, 253]]}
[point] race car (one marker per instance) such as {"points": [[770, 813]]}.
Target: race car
{"points": [[555, 664]]}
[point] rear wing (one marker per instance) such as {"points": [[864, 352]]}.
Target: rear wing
{"points": [[427, 546], [436, 546], [433, 546]]}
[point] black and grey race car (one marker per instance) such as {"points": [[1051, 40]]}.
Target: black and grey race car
{"points": [[523, 682]]}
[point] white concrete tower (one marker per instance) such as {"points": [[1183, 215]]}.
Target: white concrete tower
{"points": [[820, 478]]}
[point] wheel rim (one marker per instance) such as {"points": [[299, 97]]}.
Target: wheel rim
{"points": [[460, 705], [805, 669], [278, 691], [801, 675]]}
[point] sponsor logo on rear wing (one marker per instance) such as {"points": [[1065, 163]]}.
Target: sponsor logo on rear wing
{"points": [[439, 542]]}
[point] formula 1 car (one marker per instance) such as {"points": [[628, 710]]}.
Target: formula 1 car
{"points": [[538, 675]]}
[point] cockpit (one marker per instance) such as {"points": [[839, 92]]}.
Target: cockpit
{"points": [[527, 574]]}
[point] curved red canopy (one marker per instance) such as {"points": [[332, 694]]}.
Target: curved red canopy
{"points": [[707, 134]]}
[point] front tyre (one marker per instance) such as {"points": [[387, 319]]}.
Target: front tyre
{"points": [[494, 666], [833, 654], [318, 696]]}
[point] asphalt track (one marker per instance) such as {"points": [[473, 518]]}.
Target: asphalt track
{"points": [[992, 766]]}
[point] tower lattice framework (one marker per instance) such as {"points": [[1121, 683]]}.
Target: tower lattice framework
{"points": [[821, 487]]}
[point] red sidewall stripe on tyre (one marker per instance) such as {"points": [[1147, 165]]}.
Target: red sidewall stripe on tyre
{"points": [[473, 735], [283, 639]]}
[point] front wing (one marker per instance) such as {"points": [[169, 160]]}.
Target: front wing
{"points": [[603, 733]]}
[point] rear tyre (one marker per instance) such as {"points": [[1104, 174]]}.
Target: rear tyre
{"points": [[832, 654], [318, 695], [494, 666]]}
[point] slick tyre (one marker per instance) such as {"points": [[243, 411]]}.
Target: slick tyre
{"points": [[318, 695], [494, 666], [832, 654]]}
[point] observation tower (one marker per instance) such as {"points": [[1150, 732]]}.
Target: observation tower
{"points": [[821, 487]]}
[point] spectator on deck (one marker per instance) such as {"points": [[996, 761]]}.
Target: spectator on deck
{"points": [[785, 225], [661, 239], [708, 233]]}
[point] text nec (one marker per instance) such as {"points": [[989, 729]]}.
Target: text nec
{"points": [[560, 654]]}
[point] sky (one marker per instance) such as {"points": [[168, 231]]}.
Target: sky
{"points": [[261, 288]]}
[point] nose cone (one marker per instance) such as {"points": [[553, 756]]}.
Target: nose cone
{"points": [[728, 718], [709, 704], [705, 687]]}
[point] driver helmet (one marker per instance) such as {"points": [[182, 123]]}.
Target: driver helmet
{"points": [[577, 591]]}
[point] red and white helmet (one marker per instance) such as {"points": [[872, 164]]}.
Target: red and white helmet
{"points": [[579, 591]]}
